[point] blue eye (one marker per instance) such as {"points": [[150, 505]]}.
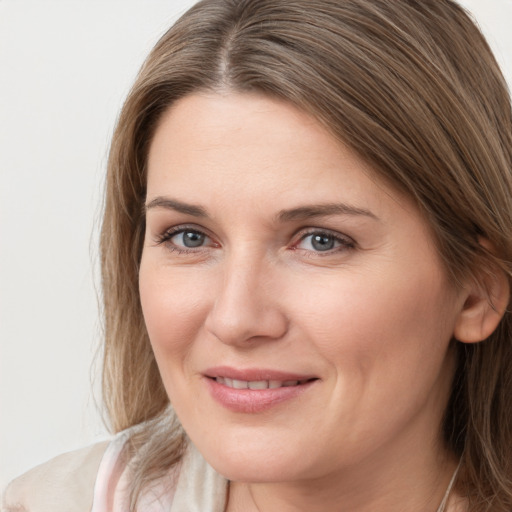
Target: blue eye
{"points": [[321, 241], [183, 239], [189, 239]]}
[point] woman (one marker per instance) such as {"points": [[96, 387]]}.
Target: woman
{"points": [[306, 251]]}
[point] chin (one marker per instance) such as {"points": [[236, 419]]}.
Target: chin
{"points": [[255, 463], [252, 471]]}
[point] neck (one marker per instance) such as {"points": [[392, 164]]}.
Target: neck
{"points": [[398, 486]]}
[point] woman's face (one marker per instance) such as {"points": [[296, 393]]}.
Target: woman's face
{"points": [[297, 307]]}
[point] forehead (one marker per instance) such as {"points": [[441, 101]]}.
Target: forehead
{"points": [[217, 125], [248, 142]]}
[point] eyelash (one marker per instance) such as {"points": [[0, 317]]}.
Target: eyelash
{"points": [[166, 236], [345, 242]]}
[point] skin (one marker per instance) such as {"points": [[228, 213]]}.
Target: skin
{"points": [[371, 317]]}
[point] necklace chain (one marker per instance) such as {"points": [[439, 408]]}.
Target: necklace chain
{"points": [[443, 504]]}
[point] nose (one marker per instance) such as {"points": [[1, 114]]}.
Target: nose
{"points": [[246, 307]]}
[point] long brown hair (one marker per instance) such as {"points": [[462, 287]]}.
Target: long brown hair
{"points": [[412, 87]]}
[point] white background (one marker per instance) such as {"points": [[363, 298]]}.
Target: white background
{"points": [[65, 67]]}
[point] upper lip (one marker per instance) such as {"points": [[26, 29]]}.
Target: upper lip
{"points": [[255, 374]]}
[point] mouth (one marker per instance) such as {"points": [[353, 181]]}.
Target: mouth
{"points": [[259, 384], [253, 390]]}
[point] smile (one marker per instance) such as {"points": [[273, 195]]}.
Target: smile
{"points": [[258, 384], [251, 391]]}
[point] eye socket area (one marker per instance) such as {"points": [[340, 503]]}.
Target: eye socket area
{"points": [[315, 240], [323, 241], [185, 239]]}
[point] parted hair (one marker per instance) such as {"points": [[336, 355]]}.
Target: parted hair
{"points": [[413, 88]]}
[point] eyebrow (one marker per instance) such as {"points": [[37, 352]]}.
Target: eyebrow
{"points": [[289, 215], [322, 210], [172, 204]]}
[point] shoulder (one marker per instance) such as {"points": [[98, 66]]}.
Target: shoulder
{"points": [[189, 485], [97, 479], [65, 483]]}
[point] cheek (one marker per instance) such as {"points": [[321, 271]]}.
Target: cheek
{"points": [[373, 323], [385, 339], [174, 308]]}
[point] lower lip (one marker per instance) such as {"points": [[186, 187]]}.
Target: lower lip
{"points": [[254, 400]]}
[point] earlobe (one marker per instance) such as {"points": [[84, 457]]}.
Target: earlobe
{"points": [[485, 304]]}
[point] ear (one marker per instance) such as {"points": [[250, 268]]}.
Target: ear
{"points": [[487, 297]]}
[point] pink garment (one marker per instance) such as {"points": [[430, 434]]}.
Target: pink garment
{"points": [[191, 486]]}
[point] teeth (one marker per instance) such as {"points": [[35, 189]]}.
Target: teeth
{"points": [[256, 384], [240, 384]]}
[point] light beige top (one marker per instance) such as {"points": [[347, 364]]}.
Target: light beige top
{"points": [[95, 479]]}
